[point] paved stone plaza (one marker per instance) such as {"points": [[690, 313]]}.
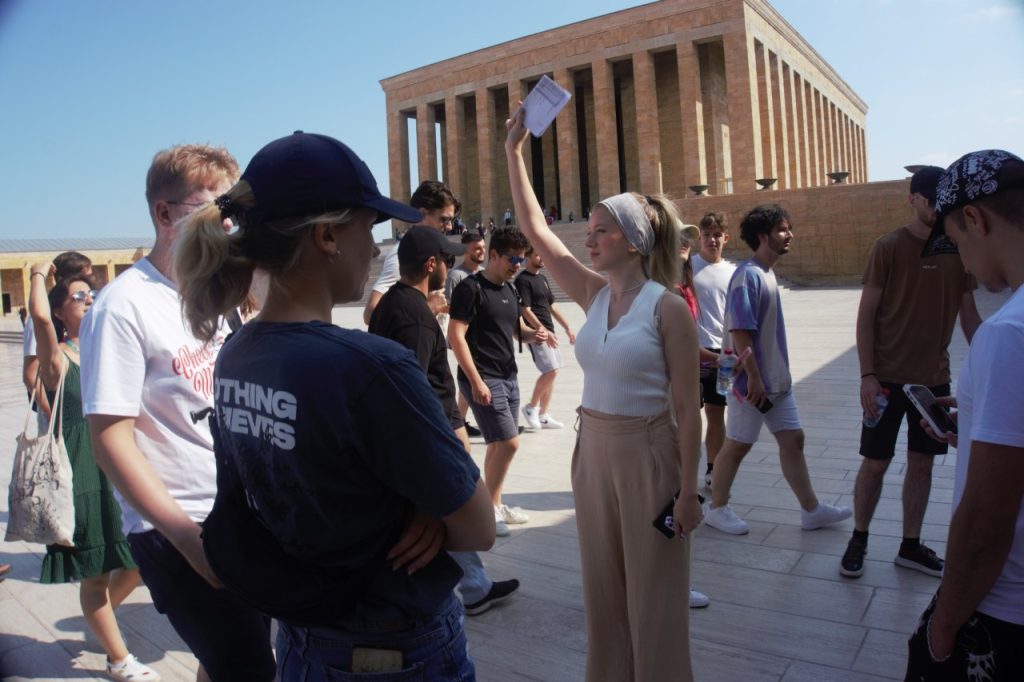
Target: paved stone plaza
{"points": [[779, 609]]}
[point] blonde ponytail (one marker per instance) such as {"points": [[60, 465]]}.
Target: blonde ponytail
{"points": [[662, 265]]}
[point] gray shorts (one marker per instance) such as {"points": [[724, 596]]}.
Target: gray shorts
{"points": [[500, 420], [546, 358]]}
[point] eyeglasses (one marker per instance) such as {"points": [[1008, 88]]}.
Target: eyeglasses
{"points": [[515, 260], [80, 296]]}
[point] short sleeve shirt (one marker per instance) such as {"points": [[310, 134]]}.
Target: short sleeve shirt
{"points": [[455, 275], [711, 283], [388, 273], [917, 313], [754, 304], [990, 393], [491, 312], [338, 439], [404, 316], [535, 294]]}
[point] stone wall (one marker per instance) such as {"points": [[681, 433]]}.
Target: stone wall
{"points": [[833, 227]]}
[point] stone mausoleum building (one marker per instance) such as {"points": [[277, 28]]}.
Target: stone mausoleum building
{"points": [[667, 97]]}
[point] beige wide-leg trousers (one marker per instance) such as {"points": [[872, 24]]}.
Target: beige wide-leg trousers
{"points": [[636, 582]]}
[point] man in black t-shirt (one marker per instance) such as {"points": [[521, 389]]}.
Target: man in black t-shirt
{"points": [[538, 309], [484, 317], [404, 316]]}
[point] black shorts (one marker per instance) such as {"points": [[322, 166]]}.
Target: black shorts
{"points": [[230, 638], [880, 442], [709, 384]]}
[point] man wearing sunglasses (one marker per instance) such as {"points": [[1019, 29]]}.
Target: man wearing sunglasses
{"points": [[485, 314], [438, 208], [424, 256]]}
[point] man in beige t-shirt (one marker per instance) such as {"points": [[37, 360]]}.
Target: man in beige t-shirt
{"points": [[908, 309]]}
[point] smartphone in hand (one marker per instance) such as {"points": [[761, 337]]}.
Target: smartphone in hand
{"points": [[933, 413]]}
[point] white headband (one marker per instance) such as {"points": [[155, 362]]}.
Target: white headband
{"points": [[630, 215]]}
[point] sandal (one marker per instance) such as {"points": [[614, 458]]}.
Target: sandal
{"points": [[131, 670]]}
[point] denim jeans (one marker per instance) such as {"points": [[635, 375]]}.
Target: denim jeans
{"points": [[475, 584], [432, 651]]}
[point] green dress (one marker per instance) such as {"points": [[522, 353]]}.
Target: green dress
{"points": [[100, 545]]}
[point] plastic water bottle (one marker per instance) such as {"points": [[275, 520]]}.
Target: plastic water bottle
{"points": [[882, 401], [726, 366]]}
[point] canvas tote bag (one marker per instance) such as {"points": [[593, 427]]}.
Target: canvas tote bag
{"points": [[40, 498]]}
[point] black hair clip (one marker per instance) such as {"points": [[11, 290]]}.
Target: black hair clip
{"points": [[227, 206]]}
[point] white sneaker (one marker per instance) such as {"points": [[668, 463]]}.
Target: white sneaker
{"points": [[531, 417], [824, 515], [500, 527], [698, 600], [513, 515], [131, 670], [725, 519], [549, 422], [707, 480]]}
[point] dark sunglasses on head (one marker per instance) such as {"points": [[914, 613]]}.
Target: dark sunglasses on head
{"points": [[80, 296]]}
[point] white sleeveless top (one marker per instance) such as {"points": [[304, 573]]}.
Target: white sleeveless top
{"points": [[624, 371]]}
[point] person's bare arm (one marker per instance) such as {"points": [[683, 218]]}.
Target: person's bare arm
{"points": [[457, 342], [679, 339], [970, 318], [530, 317], [980, 537], [742, 339], [870, 298], [471, 526], [560, 319], [48, 352], [371, 305], [118, 455], [579, 282], [29, 370]]}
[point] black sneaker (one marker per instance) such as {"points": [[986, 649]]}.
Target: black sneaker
{"points": [[472, 430], [852, 565], [500, 591], [922, 559]]}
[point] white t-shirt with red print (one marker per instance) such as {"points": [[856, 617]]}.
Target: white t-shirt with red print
{"points": [[140, 360]]}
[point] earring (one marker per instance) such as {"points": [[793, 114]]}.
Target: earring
{"points": [[330, 256]]}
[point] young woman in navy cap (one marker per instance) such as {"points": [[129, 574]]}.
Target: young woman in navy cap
{"points": [[327, 517]]}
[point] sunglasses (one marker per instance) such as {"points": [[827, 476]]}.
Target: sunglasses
{"points": [[80, 296], [516, 260]]}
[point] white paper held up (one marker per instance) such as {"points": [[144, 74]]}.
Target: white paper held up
{"points": [[543, 103]]}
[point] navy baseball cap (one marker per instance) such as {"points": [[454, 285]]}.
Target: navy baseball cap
{"points": [[420, 243], [305, 174], [972, 177], [923, 182]]}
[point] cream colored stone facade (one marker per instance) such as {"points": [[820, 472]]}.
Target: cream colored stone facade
{"points": [[666, 96]]}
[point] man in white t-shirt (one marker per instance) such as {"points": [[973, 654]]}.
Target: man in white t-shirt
{"points": [[974, 627], [438, 208], [711, 275], [147, 385]]}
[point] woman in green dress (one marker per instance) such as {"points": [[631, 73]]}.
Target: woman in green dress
{"points": [[100, 558]]}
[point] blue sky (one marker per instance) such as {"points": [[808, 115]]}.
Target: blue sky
{"points": [[91, 89]]}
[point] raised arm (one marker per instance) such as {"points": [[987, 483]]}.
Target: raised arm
{"points": [[579, 282], [47, 344], [970, 318]]}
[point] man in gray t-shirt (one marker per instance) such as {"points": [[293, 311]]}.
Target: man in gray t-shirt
{"points": [[476, 253]]}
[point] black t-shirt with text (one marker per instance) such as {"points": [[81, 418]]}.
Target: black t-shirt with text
{"points": [[535, 294], [492, 313], [404, 316]]}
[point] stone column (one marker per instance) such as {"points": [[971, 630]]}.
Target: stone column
{"points": [[608, 181], [767, 112], [568, 151], [454, 130], [691, 113], [864, 155], [647, 133], [485, 152], [426, 141], [794, 128], [398, 155], [782, 123], [744, 107], [517, 92]]}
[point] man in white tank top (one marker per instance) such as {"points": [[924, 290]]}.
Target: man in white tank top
{"points": [[763, 391]]}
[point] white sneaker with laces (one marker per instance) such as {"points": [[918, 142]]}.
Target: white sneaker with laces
{"points": [[549, 422], [698, 600], [823, 515], [725, 519], [500, 527], [129, 669], [531, 417], [513, 515]]}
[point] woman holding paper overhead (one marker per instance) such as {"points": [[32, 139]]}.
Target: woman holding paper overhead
{"points": [[638, 351]]}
